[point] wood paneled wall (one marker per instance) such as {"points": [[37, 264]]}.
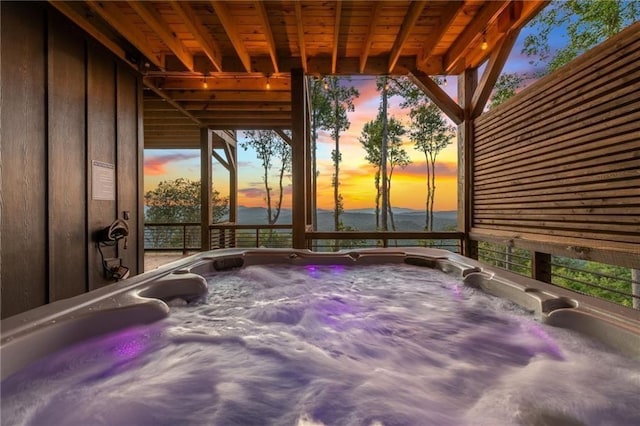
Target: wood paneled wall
{"points": [[557, 167], [65, 102]]}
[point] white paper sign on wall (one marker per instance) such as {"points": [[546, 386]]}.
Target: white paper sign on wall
{"points": [[103, 181]]}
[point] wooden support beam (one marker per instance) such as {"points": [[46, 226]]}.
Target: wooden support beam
{"points": [[163, 31], [221, 160], [249, 83], [472, 34], [492, 72], [247, 124], [195, 26], [366, 48], [336, 36], [467, 83], [112, 15], [239, 115], [238, 106], [410, 19], [229, 96], [229, 26], [227, 137], [434, 38], [284, 136], [230, 153], [164, 96], [541, 267], [438, 96], [268, 34], [298, 156], [206, 175], [300, 28], [80, 20]]}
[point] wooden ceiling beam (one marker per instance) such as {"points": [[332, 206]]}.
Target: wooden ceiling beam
{"points": [[112, 15], [492, 72], [87, 26], [336, 36], [268, 34], [161, 29], [236, 106], [229, 26], [366, 47], [227, 96], [410, 19], [262, 125], [239, 115], [448, 16], [214, 84], [438, 96], [471, 35], [375, 65], [198, 30], [300, 29]]}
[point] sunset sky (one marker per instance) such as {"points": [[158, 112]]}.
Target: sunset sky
{"points": [[356, 176]]}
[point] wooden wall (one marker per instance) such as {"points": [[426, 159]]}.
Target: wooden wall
{"points": [[557, 168], [65, 102]]}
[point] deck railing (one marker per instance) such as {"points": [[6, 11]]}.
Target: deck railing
{"points": [[184, 237], [608, 282], [280, 236]]}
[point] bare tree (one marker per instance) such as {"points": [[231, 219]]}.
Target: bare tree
{"points": [[270, 148], [341, 101]]}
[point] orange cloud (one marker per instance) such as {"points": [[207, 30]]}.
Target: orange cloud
{"points": [[156, 165]]}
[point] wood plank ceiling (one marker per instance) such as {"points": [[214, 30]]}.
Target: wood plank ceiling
{"points": [[225, 64]]}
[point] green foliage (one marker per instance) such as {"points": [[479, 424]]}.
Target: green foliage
{"points": [[590, 278], [593, 278], [270, 148], [371, 141], [272, 238], [587, 22], [505, 88], [178, 201], [340, 99]]}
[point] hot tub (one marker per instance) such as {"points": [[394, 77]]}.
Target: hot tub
{"points": [[279, 343]]}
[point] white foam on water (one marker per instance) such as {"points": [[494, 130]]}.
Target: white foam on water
{"points": [[333, 345]]}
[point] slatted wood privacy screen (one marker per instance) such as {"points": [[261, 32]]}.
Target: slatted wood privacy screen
{"points": [[557, 168]]}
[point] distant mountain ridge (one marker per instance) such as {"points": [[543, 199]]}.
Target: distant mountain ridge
{"points": [[361, 219]]}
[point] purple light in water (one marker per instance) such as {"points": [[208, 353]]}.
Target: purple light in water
{"points": [[313, 271], [552, 346], [337, 268], [128, 344]]}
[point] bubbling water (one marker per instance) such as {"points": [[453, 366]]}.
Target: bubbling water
{"points": [[332, 345]]}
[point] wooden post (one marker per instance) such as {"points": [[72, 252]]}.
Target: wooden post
{"points": [[206, 174], [541, 266], [310, 189], [467, 83], [298, 158]]}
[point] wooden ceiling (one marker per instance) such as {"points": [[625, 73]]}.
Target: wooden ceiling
{"points": [[225, 64]]}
